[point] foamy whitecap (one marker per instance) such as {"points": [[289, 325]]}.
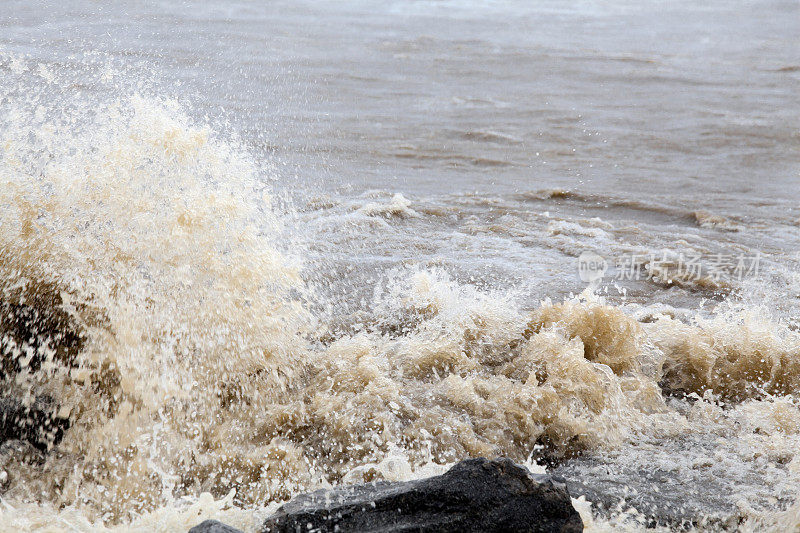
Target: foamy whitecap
{"points": [[398, 206]]}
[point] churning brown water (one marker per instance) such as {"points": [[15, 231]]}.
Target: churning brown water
{"points": [[263, 249]]}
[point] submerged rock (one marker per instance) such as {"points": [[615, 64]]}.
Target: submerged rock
{"points": [[476, 495]]}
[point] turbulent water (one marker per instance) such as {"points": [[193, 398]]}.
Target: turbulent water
{"points": [[263, 249]]}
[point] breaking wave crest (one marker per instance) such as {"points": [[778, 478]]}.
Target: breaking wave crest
{"points": [[155, 242]]}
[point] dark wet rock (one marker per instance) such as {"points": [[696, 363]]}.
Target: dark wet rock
{"points": [[476, 495], [34, 323], [35, 328], [213, 526], [36, 423]]}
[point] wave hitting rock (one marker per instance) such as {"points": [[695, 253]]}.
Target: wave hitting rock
{"points": [[475, 495]]}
